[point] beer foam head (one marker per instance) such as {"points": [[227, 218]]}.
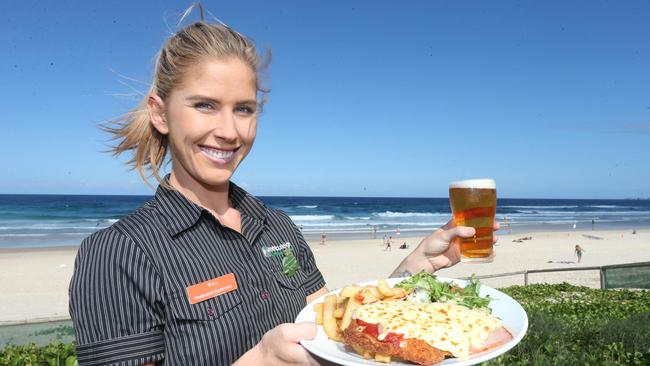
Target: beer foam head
{"points": [[474, 183]]}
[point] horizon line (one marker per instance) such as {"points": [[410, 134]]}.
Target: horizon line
{"points": [[285, 196]]}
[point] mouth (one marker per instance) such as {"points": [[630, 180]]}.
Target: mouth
{"points": [[218, 156]]}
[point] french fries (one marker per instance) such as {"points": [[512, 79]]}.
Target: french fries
{"points": [[329, 322], [353, 303], [349, 291], [335, 313], [318, 308], [390, 293], [384, 289]]}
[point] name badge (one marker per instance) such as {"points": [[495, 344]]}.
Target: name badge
{"points": [[211, 288]]}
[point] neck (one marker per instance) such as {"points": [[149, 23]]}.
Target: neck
{"points": [[213, 198]]}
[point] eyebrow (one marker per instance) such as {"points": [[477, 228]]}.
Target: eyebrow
{"points": [[212, 100]]}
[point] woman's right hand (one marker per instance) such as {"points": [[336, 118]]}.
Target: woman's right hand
{"points": [[279, 346]]}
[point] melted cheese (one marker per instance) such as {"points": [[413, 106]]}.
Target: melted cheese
{"points": [[448, 327]]}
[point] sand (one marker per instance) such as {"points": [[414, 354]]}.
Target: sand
{"points": [[34, 282], [364, 260]]}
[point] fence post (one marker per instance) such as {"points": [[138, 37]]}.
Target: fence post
{"points": [[602, 278], [526, 278]]}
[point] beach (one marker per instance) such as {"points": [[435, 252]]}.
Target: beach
{"points": [[34, 284]]}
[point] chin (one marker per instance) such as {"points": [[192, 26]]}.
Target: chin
{"points": [[217, 179]]}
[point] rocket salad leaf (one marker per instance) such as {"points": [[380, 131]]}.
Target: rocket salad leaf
{"points": [[425, 287]]}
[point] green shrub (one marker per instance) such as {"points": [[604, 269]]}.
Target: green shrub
{"points": [[54, 354], [573, 325]]}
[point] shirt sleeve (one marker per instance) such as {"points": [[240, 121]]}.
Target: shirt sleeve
{"points": [[115, 302]]}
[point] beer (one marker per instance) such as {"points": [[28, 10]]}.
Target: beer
{"points": [[473, 203]]}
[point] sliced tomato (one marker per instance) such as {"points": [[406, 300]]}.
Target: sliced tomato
{"points": [[393, 338], [369, 329]]}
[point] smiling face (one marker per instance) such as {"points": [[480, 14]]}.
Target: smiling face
{"points": [[210, 122]]}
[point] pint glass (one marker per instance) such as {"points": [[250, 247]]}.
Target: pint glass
{"points": [[473, 203]]}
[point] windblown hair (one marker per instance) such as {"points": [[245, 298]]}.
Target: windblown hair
{"points": [[190, 45]]}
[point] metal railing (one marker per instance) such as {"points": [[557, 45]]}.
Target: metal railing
{"points": [[602, 270]]}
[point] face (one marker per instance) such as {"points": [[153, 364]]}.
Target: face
{"points": [[210, 121]]}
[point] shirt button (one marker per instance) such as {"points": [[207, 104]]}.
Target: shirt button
{"points": [[265, 295], [210, 312]]}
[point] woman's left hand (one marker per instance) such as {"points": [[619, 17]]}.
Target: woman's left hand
{"points": [[440, 249], [437, 250]]}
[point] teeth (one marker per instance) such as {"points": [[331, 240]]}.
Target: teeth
{"points": [[217, 154]]}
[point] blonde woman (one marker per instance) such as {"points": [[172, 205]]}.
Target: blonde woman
{"points": [[204, 273]]}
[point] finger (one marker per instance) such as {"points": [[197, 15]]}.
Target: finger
{"points": [[300, 331], [496, 226], [450, 224], [495, 238], [454, 253], [461, 231]]}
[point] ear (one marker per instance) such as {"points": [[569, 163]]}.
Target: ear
{"points": [[156, 109]]}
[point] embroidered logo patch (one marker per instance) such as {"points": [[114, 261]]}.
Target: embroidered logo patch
{"points": [[275, 250], [289, 263]]}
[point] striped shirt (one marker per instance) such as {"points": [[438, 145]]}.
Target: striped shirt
{"points": [[128, 297]]}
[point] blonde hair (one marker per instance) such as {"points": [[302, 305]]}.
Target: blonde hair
{"points": [[200, 40]]}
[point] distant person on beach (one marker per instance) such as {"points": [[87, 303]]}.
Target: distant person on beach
{"points": [[404, 246], [578, 252], [204, 272], [323, 238], [389, 242], [593, 224], [397, 232], [374, 232]]}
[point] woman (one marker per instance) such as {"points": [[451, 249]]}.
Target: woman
{"points": [[578, 252], [204, 273]]}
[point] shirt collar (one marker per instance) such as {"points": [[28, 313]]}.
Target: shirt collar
{"points": [[246, 204], [180, 213]]}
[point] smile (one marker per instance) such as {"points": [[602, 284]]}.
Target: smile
{"points": [[217, 155]]}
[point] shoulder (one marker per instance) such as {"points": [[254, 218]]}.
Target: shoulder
{"points": [[254, 205], [281, 220], [107, 259], [122, 236], [142, 219], [279, 215], [108, 245]]}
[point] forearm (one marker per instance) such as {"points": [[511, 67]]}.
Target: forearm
{"points": [[413, 263]]}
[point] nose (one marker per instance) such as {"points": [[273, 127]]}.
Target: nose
{"points": [[224, 126]]}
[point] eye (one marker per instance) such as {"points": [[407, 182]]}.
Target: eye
{"points": [[244, 110], [203, 106]]}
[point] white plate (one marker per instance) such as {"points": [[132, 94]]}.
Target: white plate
{"points": [[503, 307]]}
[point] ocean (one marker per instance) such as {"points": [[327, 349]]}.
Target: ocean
{"points": [[61, 220]]}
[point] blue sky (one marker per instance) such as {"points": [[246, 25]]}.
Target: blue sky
{"points": [[369, 98]]}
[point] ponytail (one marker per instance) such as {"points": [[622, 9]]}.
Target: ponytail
{"points": [[134, 132]]}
